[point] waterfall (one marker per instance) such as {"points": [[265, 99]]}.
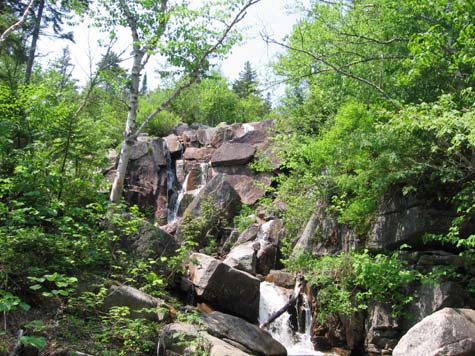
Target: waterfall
{"points": [[272, 298]]}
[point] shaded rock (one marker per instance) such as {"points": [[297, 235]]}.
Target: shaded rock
{"points": [[268, 236], [135, 300], [323, 235], [233, 154], [382, 330], [243, 257], [249, 234], [248, 335], [190, 139], [250, 189], [225, 288], [220, 194], [446, 332], [197, 176], [281, 278], [198, 154], [431, 297], [406, 220], [181, 128]]}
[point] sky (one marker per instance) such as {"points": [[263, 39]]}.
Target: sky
{"points": [[270, 16]]}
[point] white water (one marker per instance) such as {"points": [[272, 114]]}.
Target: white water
{"points": [[272, 298]]}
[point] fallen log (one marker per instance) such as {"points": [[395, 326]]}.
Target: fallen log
{"points": [[299, 285]]}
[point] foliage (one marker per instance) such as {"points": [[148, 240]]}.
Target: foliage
{"points": [[244, 218], [348, 282]]}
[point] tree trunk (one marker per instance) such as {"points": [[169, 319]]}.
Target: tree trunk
{"points": [[130, 127], [34, 41]]}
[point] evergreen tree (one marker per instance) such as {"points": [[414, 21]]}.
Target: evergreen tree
{"points": [[247, 83]]}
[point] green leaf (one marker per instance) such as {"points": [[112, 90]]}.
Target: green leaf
{"points": [[36, 341]]}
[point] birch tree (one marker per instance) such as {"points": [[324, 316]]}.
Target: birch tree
{"points": [[189, 38]]}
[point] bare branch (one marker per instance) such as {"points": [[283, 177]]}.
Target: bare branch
{"points": [[195, 74], [16, 24]]}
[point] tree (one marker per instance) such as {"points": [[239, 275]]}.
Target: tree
{"points": [[247, 83], [188, 38]]}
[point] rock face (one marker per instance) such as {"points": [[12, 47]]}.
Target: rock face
{"points": [[225, 288], [247, 335], [446, 332], [405, 220]]}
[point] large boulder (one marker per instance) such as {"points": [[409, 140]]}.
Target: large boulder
{"points": [[140, 304], [220, 194], [198, 154], [187, 339], [242, 333], [243, 257], [448, 332], [229, 154], [225, 288]]}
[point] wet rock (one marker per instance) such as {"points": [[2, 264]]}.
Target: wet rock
{"points": [[233, 154], [225, 288], [243, 333], [269, 236], [135, 300], [446, 332], [197, 176]]}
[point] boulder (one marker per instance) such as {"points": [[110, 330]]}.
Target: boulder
{"points": [[205, 135], [222, 196], [249, 234], [230, 154], [248, 335], [243, 257], [181, 128], [250, 189], [225, 288], [136, 300], [186, 339], [446, 332], [221, 134], [198, 154], [197, 176]]}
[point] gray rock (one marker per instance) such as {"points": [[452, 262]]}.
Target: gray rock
{"points": [[135, 300], [448, 332], [205, 135], [243, 333], [173, 144], [225, 288], [243, 257], [230, 154], [221, 134]]}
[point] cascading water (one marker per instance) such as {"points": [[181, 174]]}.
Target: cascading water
{"points": [[272, 298]]}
